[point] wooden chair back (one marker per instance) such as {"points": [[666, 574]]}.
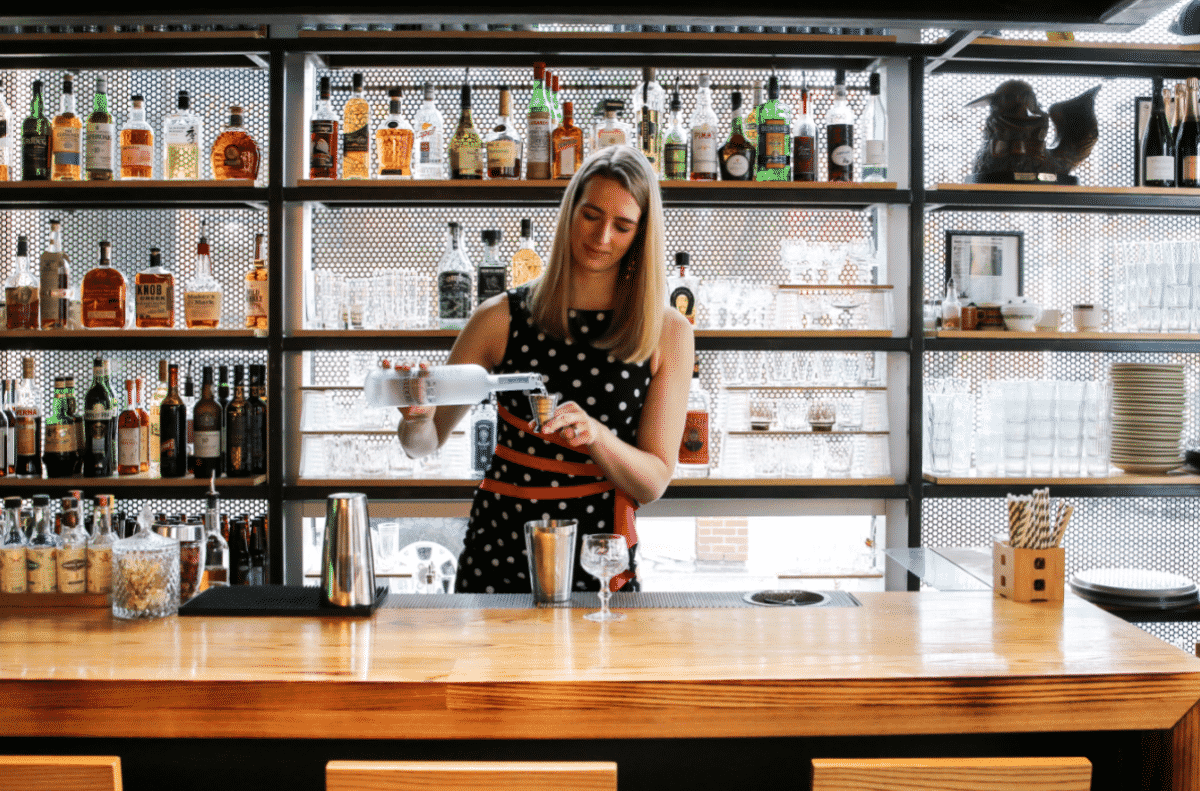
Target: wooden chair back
{"points": [[56, 772], [952, 774], [471, 775]]}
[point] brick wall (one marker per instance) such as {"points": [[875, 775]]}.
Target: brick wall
{"points": [[725, 541]]}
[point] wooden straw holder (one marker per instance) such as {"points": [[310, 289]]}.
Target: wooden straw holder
{"points": [[1028, 575]]}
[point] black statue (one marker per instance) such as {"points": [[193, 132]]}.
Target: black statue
{"points": [[1015, 146]]}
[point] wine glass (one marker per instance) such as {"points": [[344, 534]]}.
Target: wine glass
{"points": [[605, 555]]}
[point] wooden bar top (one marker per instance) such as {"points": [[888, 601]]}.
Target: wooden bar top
{"points": [[901, 663]]}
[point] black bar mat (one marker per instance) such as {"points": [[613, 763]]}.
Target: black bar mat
{"points": [[621, 601], [272, 600]]}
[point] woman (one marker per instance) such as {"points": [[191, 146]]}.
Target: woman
{"points": [[594, 325]]}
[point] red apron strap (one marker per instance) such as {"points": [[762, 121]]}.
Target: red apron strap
{"points": [[545, 492], [547, 465]]}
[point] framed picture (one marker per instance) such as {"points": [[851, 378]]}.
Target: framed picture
{"points": [[986, 266], [1142, 106]]}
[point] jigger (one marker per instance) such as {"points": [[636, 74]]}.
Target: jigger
{"points": [[543, 406]]}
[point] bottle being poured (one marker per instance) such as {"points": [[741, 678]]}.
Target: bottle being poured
{"points": [[441, 384]]}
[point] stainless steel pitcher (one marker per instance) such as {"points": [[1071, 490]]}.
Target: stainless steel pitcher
{"points": [[347, 560]]}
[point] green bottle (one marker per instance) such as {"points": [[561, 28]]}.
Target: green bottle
{"points": [[774, 136]]}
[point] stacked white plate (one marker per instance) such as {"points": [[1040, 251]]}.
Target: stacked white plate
{"points": [[1147, 421], [1144, 588]]}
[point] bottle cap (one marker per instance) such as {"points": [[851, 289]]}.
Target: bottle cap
{"points": [[526, 227], [223, 374], [568, 109], [155, 257], [428, 90], [874, 83], [13, 502], [356, 80], [237, 375], [41, 500], [839, 77], [539, 71], [162, 370], [649, 73], [183, 102], [101, 85], [773, 88], [705, 81], [676, 105], [682, 259], [394, 93], [324, 87], [68, 83], [37, 86], [735, 100], [554, 83], [27, 367], [55, 225], [137, 97], [466, 95], [613, 105], [22, 246]]}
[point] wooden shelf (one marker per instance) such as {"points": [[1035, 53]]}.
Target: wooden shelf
{"points": [[141, 480], [88, 600], [130, 184], [801, 387], [1008, 335], [783, 482], [793, 333], [1061, 197], [787, 433], [1114, 478], [148, 37], [836, 287], [168, 340]]}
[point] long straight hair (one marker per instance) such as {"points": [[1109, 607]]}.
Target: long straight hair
{"points": [[640, 291]]}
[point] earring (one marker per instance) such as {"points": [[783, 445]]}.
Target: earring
{"points": [[627, 271]]}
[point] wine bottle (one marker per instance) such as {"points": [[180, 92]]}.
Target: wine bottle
{"points": [[256, 421], [100, 424], [237, 461], [60, 454], [129, 434], [1158, 148], [1186, 139], [172, 431], [804, 140], [206, 429]]}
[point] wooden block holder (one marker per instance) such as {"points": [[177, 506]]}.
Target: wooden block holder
{"points": [[1028, 575]]}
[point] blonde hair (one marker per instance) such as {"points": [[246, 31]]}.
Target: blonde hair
{"points": [[640, 290]]}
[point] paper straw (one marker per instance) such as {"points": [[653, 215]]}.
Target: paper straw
{"points": [[1024, 521], [1041, 518], [1013, 515], [1064, 517]]}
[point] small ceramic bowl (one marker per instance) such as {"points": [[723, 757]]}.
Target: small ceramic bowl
{"points": [[1020, 316]]}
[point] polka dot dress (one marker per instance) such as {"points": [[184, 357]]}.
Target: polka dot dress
{"points": [[611, 391]]}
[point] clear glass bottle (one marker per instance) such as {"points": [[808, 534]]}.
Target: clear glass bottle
{"points": [[804, 140], [704, 134], [454, 282], [216, 548], [143, 426], [35, 139], [234, 152], [539, 127], [737, 156], [21, 292], [443, 384], [257, 292], [129, 434], [100, 546], [100, 161], [103, 293], [951, 308], [156, 399], [154, 293], [54, 288], [10, 401], [504, 142], [41, 552], [483, 436], [6, 140], [66, 137], [13, 571], [28, 419], [323, 137], [203, 295], [145, 574], [394, 141], [356, 132], [429, 127], [61, 452], [492, 273], [182, 132], [137, 142], [874, 128], [72, 555], [682, 287], [567, 142], [675, 144], [650, 101], [610, 130], [693, 461], [526, 263], [468, 158], [774, 136], [839, 133]]}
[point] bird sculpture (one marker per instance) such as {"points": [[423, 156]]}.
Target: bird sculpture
{"points": [[1014, 147]]}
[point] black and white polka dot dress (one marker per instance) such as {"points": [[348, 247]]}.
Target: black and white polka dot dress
{"points": [[613, 392]]}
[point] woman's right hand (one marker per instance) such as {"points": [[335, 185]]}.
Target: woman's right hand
{"points": [[416, 413]]}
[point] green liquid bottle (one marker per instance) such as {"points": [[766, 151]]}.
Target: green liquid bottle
{"points": [[774, 136]]}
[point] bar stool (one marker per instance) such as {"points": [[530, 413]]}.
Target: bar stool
{"points": [[951, 774], [471, 775], [56, 772]]}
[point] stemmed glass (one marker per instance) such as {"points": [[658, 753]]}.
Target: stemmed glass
{"points": [[605, 555]]}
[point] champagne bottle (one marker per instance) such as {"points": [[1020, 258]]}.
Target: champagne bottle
{"points": [[1158, 148], [1186, 139]]}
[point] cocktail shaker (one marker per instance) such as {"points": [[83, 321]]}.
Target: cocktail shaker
{"points": [[551, 548], [347, 561]]}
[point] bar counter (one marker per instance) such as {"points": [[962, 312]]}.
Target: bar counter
{"points": [[903, 663]]}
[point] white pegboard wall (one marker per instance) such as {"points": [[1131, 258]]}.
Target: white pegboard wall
{"points": [[1153, 31]]}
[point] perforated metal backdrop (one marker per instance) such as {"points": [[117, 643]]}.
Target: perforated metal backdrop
{"points": [[1154, 31]]}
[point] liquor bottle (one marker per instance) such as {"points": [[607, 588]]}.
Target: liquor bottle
{"points": [[693, 446], [323, 137], [504, 143], [454, 282], [5, 430], [874, 127], [429, 128], [737, 156], [6, 140], [704, 132], [236, 458], [54, 282], [483, 436], [682, 287], [100, 545], [234, 152], [154, 289], [1157, 145], [76, 416], [675, 143], [100, 160], [72, 555], [10, 414], [356, 133], [137, 142], [750, 121], [442, 384], [804, 140], [556, 107], [491, 275], [774, 137], [651, 102], [256, 421], [129, 435], [172, 431], [567, 141], [216, 549], [66, 137], [189, 404], [100, 420], [526, 263], [1187, 139], [466, 161], [206, 429], [1180, 108], [610, 130], [35, 139], [394, 141], [539, 127], [221, 393], [61, 454], [1168, 96], [156, 399], [839, 133], [202, 297], [41, 552], [258, 552], [256, 287], [21, 292], [239, 552], [102, 293], [13, 571], [182, 132], [29, 424], [143, 426]]}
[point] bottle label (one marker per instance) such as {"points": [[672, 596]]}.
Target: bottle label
{"points": [[564, 152], [35, 154], [202, 306], [840, 148], [704, 151], [648, 133], [610, 137], [483, 444], [98, 439], [207, 444], [52, 297], [491, 281], [66, 144], [99, 146], [502, 154], [684, 301], [1190, 170], [99, 569], [129, 447], [72, 569], [805, 148], [469, 161], [693, 447], [13, 573], [429, 144], [21, 307], [239, 162], [256, 299], [737, 164], [876, 152], [675, 160], [26, 432], [41, 576], [155, 300], [454, 295], [537, 140], [136, 155], [323, 137], [155, 432], [1160, 168], [774, 136], [60, 438], [356, 141]]}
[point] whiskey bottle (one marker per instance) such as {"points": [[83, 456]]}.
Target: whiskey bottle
{"points": [[737, 156], [675, 144], [129, 434], [651, 103], [102, 293], [704, 133], [6, 140], [41, 553], [356, 133], [182, 132], [100, 422], [72, 555], [21, 292], [323, 137], [76, 416], [693, 461], [774, 136], [237, 462], [28, 420], [172, 430], [35, 139], [611, 131], [256, 421], [256, 287], [66, 137], [54, 287], [839, 133], [874, 128], [804, 141], [100, 160], [429, 128], [394, 141], [504, 143], [154, 289], [13, 573], [682, 287], [568, 145], [202, 297], [61, 455], [538, 127], [454, 282], [466, 145], [526, 263], [155, 412], [206, 429], [100, 545], [137, 142], [234, 152], [491, 276], [144, 426]]}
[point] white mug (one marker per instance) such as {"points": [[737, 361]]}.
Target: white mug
{"points": [[1049, 320], [1088, 318]]}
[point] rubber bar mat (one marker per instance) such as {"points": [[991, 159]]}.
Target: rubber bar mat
{"points": [[271, 600], [625, 601]]}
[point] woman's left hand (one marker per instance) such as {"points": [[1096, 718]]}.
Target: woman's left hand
{"points": [[573, 424]]}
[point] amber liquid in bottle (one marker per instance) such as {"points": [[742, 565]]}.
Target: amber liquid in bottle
{"points": [[256, 288], [129, 435], [234, 152], [144, 423], [567, 145], [66, 139], [154, 288], [102, 294]]}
